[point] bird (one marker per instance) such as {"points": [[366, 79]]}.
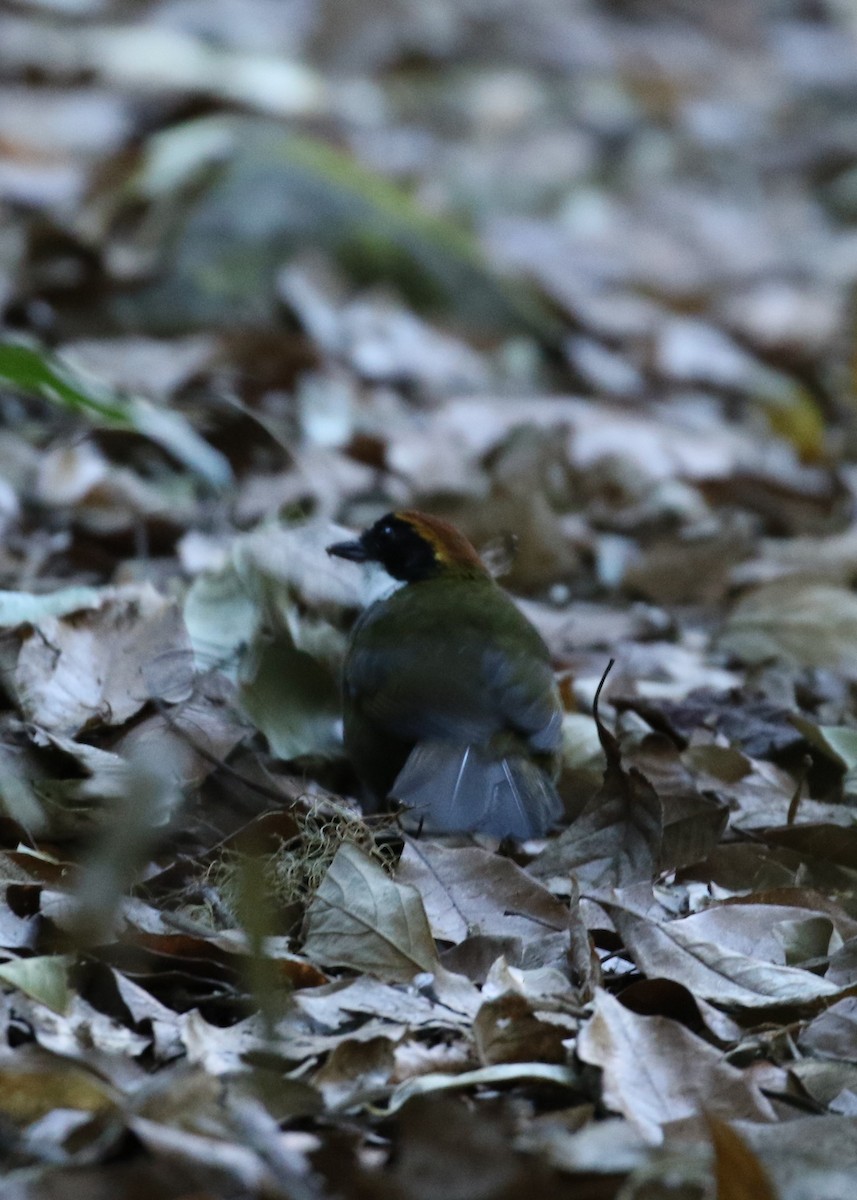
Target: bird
{"points": [[450, 705]]}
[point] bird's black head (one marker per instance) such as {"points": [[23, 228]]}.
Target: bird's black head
{"points": [[413, 546]]}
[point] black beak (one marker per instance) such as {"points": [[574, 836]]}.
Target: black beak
{"points": [[353, 551]]}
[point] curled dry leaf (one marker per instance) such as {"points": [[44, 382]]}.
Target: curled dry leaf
{"points": [[561, 1077], [616, 840], [724, 976], [737, 1170], [508, 1030]]}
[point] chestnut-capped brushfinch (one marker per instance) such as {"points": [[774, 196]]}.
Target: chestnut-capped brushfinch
{"points": [[450, 705]]}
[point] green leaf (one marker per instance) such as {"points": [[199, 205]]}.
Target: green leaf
{"points": [[291, 697], [35, 372], [44, 978]]}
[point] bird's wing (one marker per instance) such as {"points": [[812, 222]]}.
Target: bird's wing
{"points": [[414, 694], [525, 692], [447, 786], [468, 696], [466, 678]]}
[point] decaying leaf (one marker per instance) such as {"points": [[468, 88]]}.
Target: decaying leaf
{"points": [[737, 1170], [508, 1030], [355, 1071]]}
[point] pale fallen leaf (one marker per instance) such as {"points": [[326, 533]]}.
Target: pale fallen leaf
{"points": [[102, 666], [529, 1072], [605, 1147], [808, 1157], [334, 1006], [43, 977], [467, 891], [656, 1071], [833, 1033], [79, 1031], [18, 608], [805, 623], [724, 976], [361, 918], [765, 929]]}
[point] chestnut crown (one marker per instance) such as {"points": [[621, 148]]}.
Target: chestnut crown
{"points": [[413, 546]]}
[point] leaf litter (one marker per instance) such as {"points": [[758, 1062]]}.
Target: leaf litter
{"points": [[576, 280]]}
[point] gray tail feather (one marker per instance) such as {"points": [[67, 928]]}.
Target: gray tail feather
{"points": [[464, 788]]}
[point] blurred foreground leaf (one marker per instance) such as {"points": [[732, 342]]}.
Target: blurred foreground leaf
{"points": [[43, 1083], [803, 623], [255, 195], [18, 608], [36, 372]]}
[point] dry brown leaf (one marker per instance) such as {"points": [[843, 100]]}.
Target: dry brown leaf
{"points": [[833, 1033], [360, 918], [737, 1170], [99, 667], [724, 976], [469, 891], [656, 1071], [335, 1006], [355, 1072], [616, 840], [509, 1030]]}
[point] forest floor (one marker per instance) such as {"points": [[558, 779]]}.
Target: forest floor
{"points": [[579, 278]]}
